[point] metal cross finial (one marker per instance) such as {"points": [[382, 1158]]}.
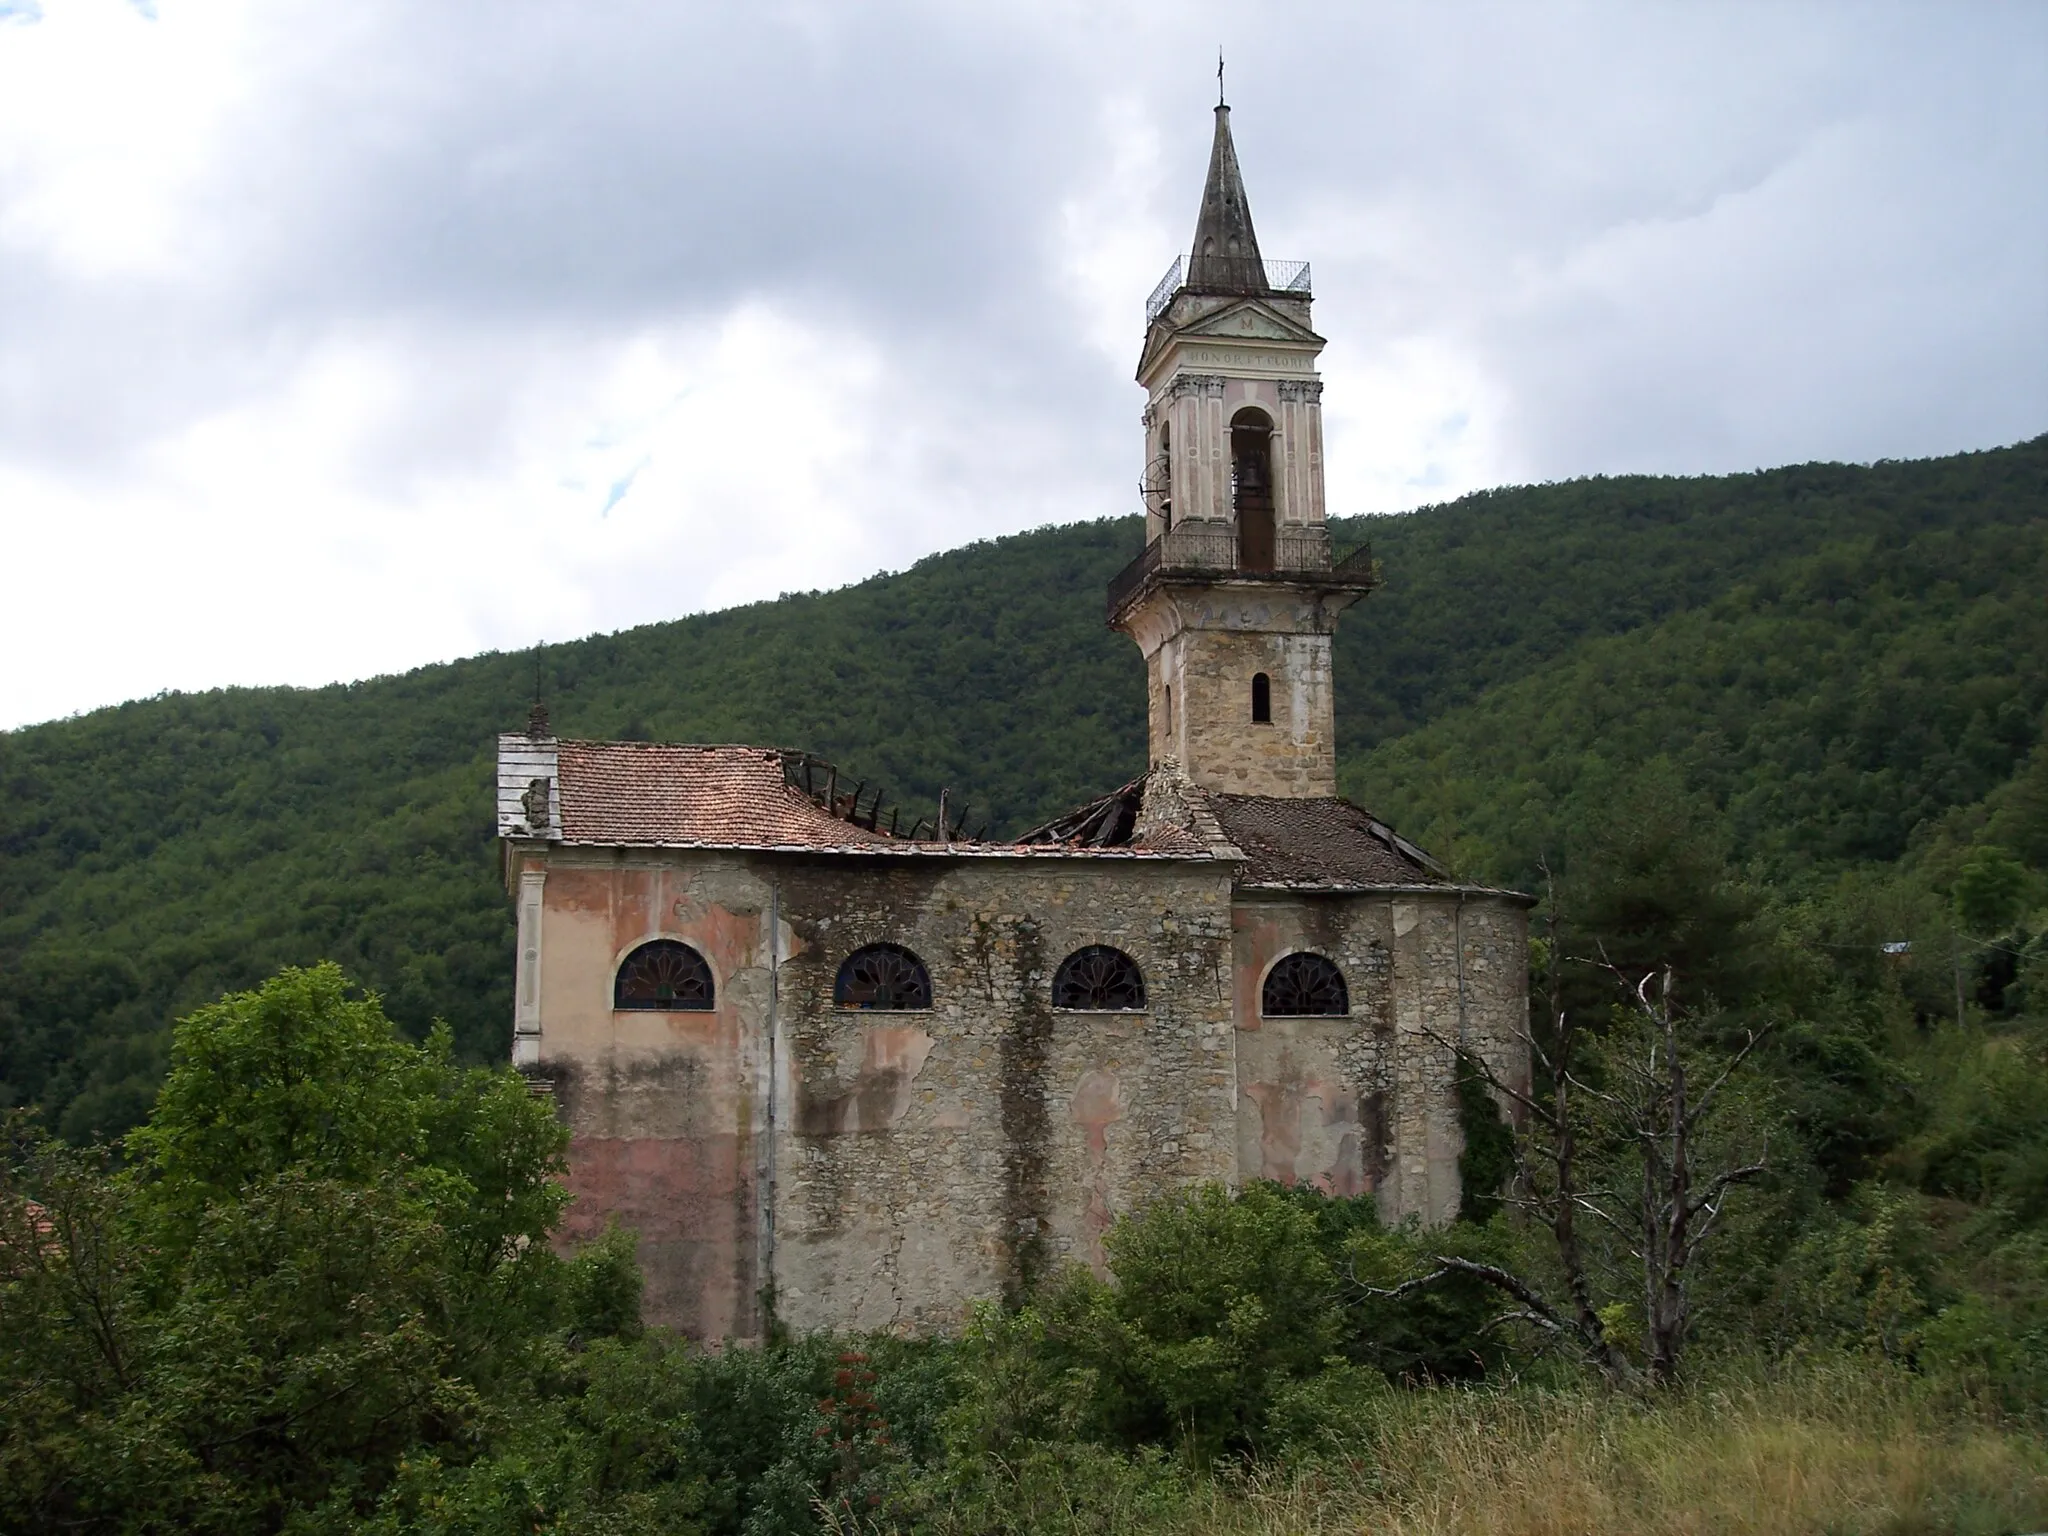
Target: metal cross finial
{"points": [[1219, 77]]}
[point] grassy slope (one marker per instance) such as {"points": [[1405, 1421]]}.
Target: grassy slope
{"points": [[1843, 1447], [153, 854]]}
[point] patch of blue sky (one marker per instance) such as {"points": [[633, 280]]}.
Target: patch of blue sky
{"points": [[622, 485]]}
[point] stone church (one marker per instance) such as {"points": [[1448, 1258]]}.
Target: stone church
{"points": [[864, 1074]]}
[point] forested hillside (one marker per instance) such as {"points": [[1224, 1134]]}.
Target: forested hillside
{"points": [[1846, 660], [1840, 699], [1771, 1232]]}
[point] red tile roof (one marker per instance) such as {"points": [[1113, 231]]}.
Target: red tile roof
{"points": [[640, 793], [637, 793], [651, 792]]}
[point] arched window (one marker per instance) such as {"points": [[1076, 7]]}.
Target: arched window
{"points": [[665, 976], [1262, 699], [1251, 487], [883, 976], [1304, 986], [1099, 979]]}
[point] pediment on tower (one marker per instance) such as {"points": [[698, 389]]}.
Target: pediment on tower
{"points": [[1247, 323], [1251, 320]]}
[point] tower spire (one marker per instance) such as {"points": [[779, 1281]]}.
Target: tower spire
{"points": [[1226, 249]]}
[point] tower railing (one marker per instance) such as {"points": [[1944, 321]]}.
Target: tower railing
{"points": [[1228, 275], [1206, 550]]}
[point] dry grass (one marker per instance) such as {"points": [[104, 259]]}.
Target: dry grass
{"points": [[1844, 1450], [1834, 1449]]}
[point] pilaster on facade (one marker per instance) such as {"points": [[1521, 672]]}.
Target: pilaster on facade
{"points": [[526, 994]]}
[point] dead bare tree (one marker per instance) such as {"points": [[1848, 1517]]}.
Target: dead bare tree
{"points": [[1573, 1153]]}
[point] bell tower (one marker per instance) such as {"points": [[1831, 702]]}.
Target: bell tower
{"points": [[1235, 597]]}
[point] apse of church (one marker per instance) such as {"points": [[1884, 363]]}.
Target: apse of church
{"points": [[867, 1073]]}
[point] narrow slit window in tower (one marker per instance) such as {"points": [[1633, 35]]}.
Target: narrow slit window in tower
{"points": [[1262, 699], [1165, 462]]}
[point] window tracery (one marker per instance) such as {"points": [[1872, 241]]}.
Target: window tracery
{"points": [[664, 975], [883, 976], [1304, 986], [1099, 979]]}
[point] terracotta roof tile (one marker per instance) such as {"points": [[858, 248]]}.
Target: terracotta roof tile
{"points": [[650, 792], [638, 793]]}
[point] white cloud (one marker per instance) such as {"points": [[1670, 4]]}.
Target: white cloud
{"points": [[108, 125]]}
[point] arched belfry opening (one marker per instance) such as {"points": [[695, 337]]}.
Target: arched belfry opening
{"points": [[1251, 487]]}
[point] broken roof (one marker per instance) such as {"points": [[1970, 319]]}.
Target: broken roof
{"points": [[1322, 843], [1316, 843], [654, 794], [658, 794]]}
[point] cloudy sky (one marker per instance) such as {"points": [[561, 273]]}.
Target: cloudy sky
{"points": [[335, 339]]}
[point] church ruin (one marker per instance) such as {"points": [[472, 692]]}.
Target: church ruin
{"points": [[865, 1074]]}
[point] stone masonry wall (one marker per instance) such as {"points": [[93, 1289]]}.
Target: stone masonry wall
{"points": [[938, 1156], [1206, 643], [886, 1168], [1213, 733], [1367, 1103], [895, 1165]]}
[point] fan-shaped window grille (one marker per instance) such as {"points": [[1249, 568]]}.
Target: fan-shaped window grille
{"points": [[1304, 986], [1099, 978], [883, 976], [664, 975]]}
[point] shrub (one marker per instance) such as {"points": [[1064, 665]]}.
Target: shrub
{"points": [[1865, 1279], [1995, 1340], [1216, 1300], [602, 1285], [1439, 1333]]}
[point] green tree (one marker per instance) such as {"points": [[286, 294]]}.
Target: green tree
{"points": [[1648, 885], [1990, 891], [328, 1252]]}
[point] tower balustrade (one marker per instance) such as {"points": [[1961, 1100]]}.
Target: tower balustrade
{"points": [[1206, 550]]}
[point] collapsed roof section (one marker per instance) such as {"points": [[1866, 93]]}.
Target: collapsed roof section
{"points": [[1322, 843], [638, 794], [663, 795]]}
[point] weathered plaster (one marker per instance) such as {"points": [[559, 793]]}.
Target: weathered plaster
{"points": [[890, 1167]]}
